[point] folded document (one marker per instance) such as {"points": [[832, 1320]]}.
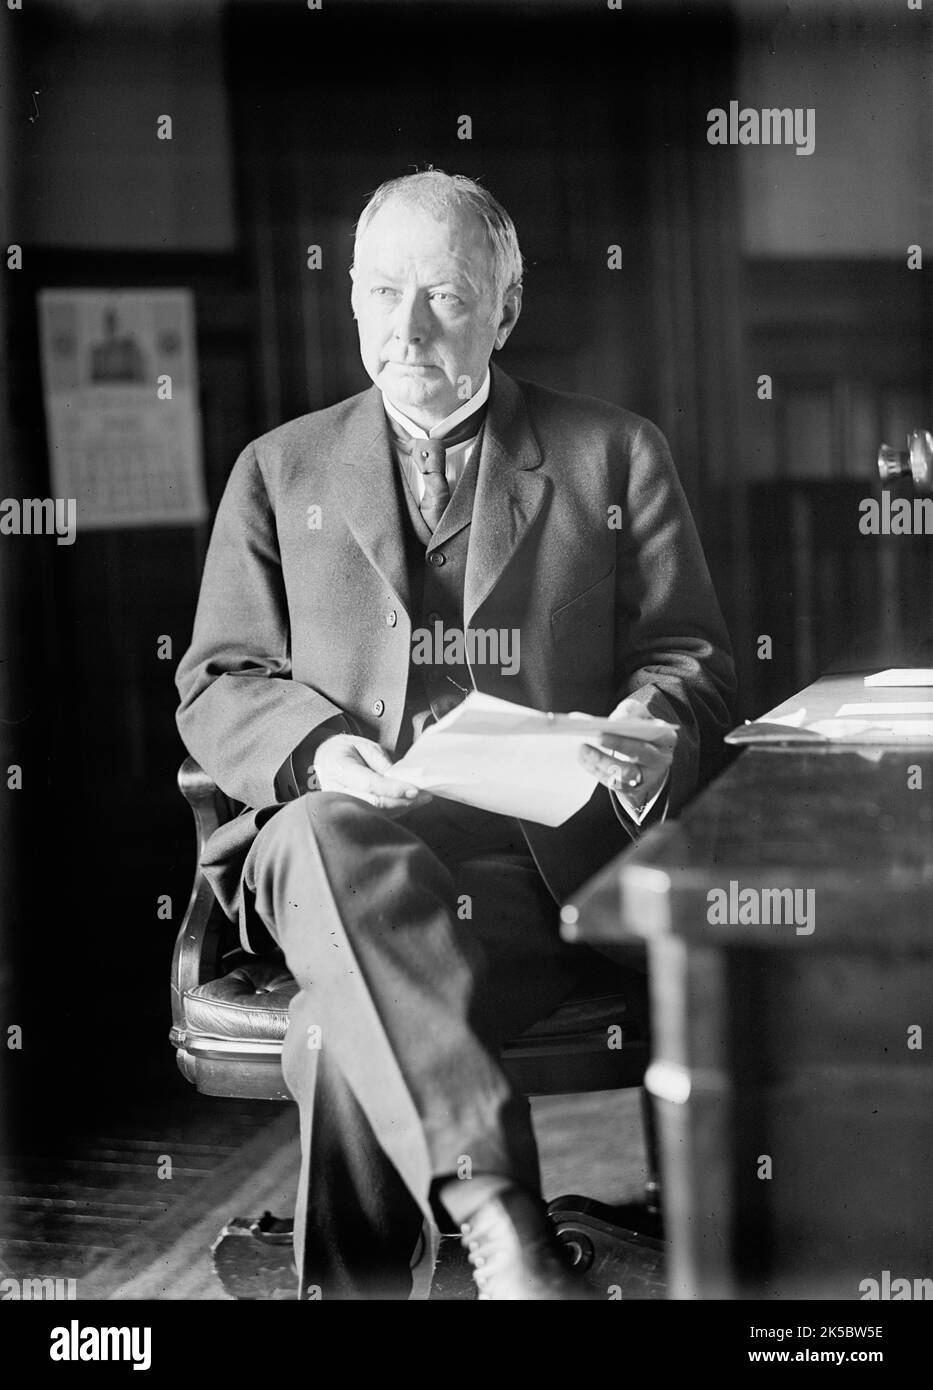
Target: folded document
{"points": [[518, 761]]}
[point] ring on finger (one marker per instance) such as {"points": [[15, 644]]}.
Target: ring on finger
{"points": [[618, 779]]}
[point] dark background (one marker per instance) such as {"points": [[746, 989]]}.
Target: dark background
{"points": [[590, 125]]}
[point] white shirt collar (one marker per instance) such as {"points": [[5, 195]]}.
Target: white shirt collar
{"points": [[419, 432]]}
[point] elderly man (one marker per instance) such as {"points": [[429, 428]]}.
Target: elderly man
{"points": [[448, 493]]}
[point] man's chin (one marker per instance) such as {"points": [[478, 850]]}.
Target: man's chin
{"points": [[405, 387]]}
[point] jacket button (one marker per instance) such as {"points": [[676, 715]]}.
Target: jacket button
{"points": [[391, 618], [437, 558], [379, 707]]}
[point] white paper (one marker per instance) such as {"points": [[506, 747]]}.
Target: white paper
{"points": [[883, 726], [884, 707], [794, 720], [914, 675], [872, 730], [504, 757]]}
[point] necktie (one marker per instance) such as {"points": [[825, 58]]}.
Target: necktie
{"points": [[430, 458]]}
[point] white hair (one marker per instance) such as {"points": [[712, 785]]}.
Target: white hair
{"points": [[442, 194]]}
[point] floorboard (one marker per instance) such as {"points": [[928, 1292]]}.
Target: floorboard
{"points": [[126, 1236]]}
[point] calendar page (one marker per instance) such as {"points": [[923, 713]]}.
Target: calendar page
{"points": [[120, 382]]}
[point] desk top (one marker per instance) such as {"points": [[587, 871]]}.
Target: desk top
{"points": [[851, 824], [827, 696]]}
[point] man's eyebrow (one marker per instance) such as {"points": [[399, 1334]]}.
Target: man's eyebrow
{"points": [[459, 280]]}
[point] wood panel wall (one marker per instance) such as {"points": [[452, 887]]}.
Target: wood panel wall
{"points": [[849, 348]]}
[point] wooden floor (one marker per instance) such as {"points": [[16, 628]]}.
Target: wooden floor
{"points": [[589, 1144], [90, 1112], [74, 1195]]}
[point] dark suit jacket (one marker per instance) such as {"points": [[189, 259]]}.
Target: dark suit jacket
{"points": [[293, 626]]}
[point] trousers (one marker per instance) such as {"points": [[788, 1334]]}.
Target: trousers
{"points": [[420, 944]]}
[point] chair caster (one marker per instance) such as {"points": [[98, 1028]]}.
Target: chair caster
{"points": [[253, 1258], [619, 1262]]}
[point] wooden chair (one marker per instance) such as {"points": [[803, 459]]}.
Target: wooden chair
{"points": [[230, 1012]]}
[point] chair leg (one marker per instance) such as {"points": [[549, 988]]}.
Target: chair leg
{"points": [[653, 1182]]}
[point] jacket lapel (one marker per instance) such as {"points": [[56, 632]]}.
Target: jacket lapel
{"points": [[509, 493], [369, 495]]}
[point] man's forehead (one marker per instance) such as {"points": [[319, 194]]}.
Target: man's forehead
{"points": [[401, 228]]}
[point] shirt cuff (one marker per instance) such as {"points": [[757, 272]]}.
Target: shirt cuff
{"points": [[296, 775], [639, 814]]}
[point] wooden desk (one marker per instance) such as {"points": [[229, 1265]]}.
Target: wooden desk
{"points": [[771, 1043]]}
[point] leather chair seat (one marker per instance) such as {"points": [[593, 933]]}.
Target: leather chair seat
{"points": [[250, 1003]]}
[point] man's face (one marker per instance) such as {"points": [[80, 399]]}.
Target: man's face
{"points": [[426, 309]]}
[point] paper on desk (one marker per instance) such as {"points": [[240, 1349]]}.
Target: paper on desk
{"points": [[911, 675], [882, 708], [792, 728], [873, 730], [779, 729], [499, 756]]}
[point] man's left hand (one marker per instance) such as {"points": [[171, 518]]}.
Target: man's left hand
{"points": [[634, 767], [628, 765]]}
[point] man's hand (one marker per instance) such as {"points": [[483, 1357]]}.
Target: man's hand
{"points": [[633, 766], [628, 765], [359, 767]]}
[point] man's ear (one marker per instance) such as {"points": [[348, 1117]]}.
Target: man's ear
{"points": [[353, 289], [509, 318]]}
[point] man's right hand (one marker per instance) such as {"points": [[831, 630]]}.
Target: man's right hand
{"points": [[359, 767]]}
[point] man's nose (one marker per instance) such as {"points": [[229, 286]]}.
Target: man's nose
{"points": [[410, 319]]}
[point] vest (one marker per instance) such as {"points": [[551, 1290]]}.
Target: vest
{"points": [[436, 573]]}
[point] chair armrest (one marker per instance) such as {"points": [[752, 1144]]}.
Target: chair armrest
{"points": [[210, 805], [196, 957]]}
